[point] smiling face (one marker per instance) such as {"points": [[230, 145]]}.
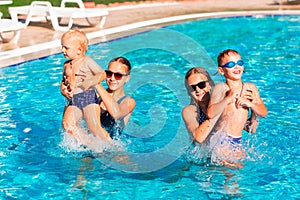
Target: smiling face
{"points": [[234, 73], [120, 68], [197, 93]]}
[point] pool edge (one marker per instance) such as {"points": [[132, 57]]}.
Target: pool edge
{"points": [[24, 54]]}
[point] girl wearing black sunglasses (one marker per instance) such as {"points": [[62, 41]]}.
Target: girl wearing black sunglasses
{"points": [[198, 85], [116, 107]]}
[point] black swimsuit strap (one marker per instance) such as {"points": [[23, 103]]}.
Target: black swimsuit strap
{"points": [[121, 99], [118, 101]]}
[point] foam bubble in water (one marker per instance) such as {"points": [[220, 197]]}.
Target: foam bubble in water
{"points": [[199, 154], [26, 130], [89, 143], [70, 144]]}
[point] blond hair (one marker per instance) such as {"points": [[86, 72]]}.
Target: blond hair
{"points": [[198, 70], [77, 35]]}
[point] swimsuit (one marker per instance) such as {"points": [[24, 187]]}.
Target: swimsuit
{"points": [[198, 153], [201, 116], [83, 99], [113, 126], [231, 140], [224, 146]]}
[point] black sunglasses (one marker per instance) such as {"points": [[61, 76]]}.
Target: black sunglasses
{"points": [[117, 75], [201, 85]]}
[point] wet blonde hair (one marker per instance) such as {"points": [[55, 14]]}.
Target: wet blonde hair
{"points": [[77, 35], [197, 70]]}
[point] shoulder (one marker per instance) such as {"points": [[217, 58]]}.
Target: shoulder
{"points": [[218, 88], [128, 100], [250, 86], [67, 62], [89, 60], [66, 65], [91, 63], [189, 110]]}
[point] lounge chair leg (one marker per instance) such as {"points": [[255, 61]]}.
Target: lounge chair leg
{"points": [[14, 37], [99, 23]]}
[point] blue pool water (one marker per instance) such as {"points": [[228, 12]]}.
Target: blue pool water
{"points": [[36, 164]]}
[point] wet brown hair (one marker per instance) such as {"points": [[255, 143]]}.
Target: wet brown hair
{"points": [[122, 60], [225, 53]]}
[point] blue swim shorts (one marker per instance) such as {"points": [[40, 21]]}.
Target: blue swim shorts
{"points": [[226, 147], [83, 99]]}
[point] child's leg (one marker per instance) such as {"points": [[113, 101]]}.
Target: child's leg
{"points": [[92, 115], [71, 117]]}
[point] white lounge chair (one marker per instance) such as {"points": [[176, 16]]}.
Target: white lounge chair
{"points": [[45, 9], [10, 30]]}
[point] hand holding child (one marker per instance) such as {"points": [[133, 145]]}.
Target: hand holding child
{"points": [[66, 89], [89, 83]]}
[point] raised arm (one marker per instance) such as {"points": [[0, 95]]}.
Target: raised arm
{"points": [[220, 98], [198, 132], [256, 105], [115, 109], [98, 74]]}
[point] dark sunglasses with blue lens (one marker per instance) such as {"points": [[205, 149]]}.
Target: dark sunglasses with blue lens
{"points": [[231, 64]]}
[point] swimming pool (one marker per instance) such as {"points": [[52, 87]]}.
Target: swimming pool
{"points": [[35, 164]]}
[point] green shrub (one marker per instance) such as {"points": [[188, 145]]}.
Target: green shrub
{"points": [[4, 8]]}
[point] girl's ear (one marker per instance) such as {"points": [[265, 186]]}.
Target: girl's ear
{"points": [[220, 70], [207, 88]]}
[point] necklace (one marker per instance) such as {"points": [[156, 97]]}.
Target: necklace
{"points": [[241, 88]]}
